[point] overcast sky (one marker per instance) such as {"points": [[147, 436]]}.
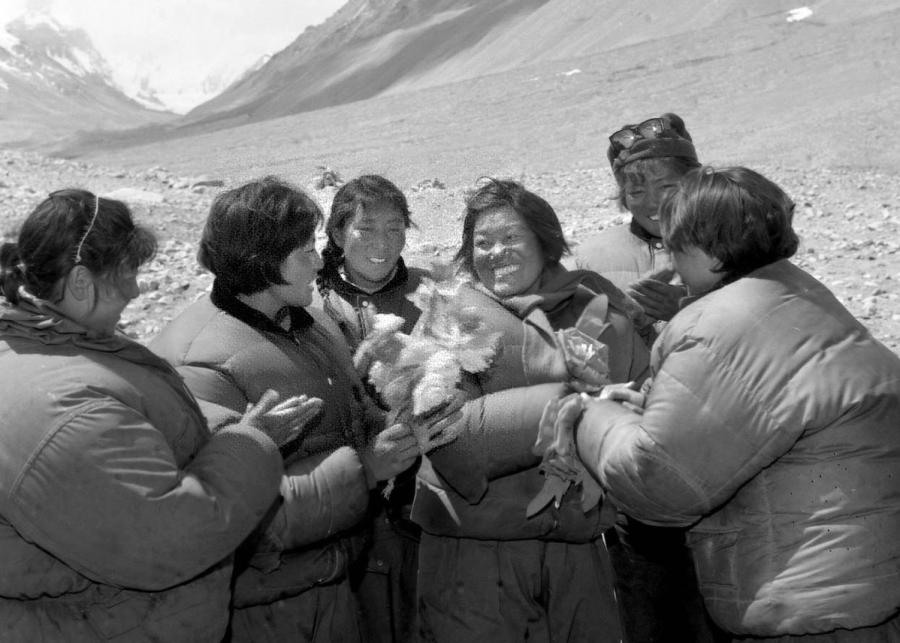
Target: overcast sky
{"points": [[179, 43]]}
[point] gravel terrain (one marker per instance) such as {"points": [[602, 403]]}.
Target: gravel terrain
{"points": [[848, 221]]}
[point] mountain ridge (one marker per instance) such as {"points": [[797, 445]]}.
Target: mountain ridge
{"points": [[53, 82]]}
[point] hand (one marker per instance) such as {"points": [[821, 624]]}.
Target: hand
{"points": [[560, 416], [392, 451], [656, 295], [284, 421], [441, 425], [628, 394]]}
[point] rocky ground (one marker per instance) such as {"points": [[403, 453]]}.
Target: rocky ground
{"points": [[848, 221]]}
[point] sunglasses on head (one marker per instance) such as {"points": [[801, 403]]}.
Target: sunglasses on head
{"points": [[628, 136]]}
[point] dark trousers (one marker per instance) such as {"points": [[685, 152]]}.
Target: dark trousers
{"points": [[656, 585]]}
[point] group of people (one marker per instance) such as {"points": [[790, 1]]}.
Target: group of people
{"points": [[229, 480]]}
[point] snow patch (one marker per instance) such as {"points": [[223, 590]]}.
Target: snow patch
{"points": [[7, 40], [801, 13], [69, 65]]}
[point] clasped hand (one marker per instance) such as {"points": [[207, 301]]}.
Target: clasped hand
{"points": [[656, 295], [396, 448]]}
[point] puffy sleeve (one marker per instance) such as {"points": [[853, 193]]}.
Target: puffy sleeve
{"points": [[105, 494], [704, 432], [323, 494], [498, 432]]}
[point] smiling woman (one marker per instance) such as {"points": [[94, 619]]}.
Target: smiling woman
{"points": [[489, 569]]}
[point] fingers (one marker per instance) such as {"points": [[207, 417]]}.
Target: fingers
{"points": [[442, 427], [268, 400], [663, 274], [627, 395]]}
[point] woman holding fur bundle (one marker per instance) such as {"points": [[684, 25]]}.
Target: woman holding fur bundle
{"points": [[489, 570]]}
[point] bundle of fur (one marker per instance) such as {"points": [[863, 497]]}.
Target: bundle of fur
{"points": [[417, 375]]}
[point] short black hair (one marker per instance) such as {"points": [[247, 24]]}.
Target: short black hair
{"points": [[733, 214], [252, 229], [62, 226], [536, 213]]}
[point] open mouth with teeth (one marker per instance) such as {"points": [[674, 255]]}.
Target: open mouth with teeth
{"points": [[377, 260], [505, 271]]}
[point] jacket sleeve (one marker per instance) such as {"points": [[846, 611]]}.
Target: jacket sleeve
{"points": [[105, 495], [322, 495], [704, 433], [499, 430]]}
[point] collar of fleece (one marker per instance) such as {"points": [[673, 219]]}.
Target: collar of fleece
{"points": [[223, 299], [331, 279]]}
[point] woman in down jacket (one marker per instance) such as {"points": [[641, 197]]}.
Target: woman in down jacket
{"points": [[119, 512], [772, 429], [486, 570], [363, 272], [255, 332]]}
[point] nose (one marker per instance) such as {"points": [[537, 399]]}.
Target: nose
{"points": [[497, 251], [131, 289]]}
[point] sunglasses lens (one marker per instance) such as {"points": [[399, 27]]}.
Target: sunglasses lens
{"points": [[624, 138], [651, 128]]}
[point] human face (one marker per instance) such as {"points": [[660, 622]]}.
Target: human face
{"points": [[112, 297], [372, 242], [298, 270], [642, 198], [697, 269], [506, 254]]}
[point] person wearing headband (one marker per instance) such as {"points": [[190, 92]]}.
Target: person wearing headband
{"points": [[119, 510], [655, 580], [647, 160]]}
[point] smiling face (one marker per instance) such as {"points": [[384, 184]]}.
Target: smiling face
{"points": [[372, 241], [506, 254], [642, 197]]}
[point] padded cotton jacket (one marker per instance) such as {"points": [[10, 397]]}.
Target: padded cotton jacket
{"points": [[119, 512], [773, 429], [230, 358], [480, 485]]}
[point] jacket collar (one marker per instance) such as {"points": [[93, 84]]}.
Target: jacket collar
{"points": [[331, 279], [229, 303], [643, 235]]}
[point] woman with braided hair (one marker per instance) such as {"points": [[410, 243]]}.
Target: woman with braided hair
{"points": [[363, 273]]}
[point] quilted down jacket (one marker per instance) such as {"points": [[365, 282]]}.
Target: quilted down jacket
{"points": [[119, 512], [772, 428], [228, 355], [480, 485]]}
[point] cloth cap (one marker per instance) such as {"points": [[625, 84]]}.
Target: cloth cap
{"points": [[673, 141]]}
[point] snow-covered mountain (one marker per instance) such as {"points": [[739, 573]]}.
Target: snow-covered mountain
{"points": [[54, 82]]}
